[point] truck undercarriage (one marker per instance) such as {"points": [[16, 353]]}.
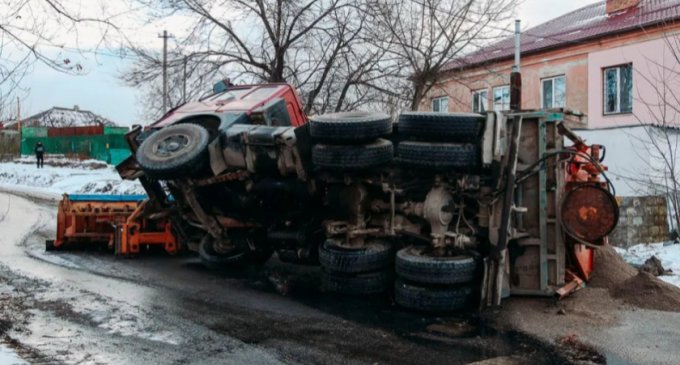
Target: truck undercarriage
{"points": [[457, 208]]}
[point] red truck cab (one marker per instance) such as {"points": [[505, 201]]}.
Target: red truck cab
{"points": [[262, 104]]}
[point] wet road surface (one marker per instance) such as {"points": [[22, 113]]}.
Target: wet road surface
{"points": [[94, 308]]}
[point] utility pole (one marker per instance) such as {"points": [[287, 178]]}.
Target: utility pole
{"points": [[184, 87], [19, 115], [516, 76], [165, 37]]}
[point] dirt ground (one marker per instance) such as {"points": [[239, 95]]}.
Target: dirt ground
{"points": [[620, 314], [92, 308]]}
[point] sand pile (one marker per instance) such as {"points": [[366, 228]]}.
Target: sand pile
{"points": [[610, 269], [646, 291], [624, 282]]}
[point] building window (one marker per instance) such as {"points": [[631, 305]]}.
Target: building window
{"points": [[440, 105], [554, 92], [480, 101], [618, 90], [501, 98]]}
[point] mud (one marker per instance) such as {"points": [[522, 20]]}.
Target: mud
{"points": [[92, 308]]}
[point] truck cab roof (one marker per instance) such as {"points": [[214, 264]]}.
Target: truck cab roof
{"points": [[235, 99]]}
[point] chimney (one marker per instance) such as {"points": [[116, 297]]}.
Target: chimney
{"points": [[615, 6], [76, 108]]}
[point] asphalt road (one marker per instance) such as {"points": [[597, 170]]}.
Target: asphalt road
{"points": [[93, 308]]}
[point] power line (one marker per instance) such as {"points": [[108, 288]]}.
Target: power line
{"points": [[94, 52]]}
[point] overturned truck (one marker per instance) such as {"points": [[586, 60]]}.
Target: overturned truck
{"points": [[448, 210]]}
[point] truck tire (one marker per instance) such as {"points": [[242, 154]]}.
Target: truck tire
{"points": [[376, 254], [439, 155], [450, 127], [350, 127], [215, 261], [413, 265], [358, 284], [239, 257], [433, 299], [174, 152], [352, 157]]}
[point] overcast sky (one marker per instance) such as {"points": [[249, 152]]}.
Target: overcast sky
{"points": [[100, 92]]}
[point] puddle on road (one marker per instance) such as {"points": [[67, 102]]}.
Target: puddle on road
{"points": [[468, 333]]}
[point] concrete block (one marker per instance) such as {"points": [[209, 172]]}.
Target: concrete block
{"points": [[662, 210], [637, 222], [643, 233], [650, 211], [654, 231]]}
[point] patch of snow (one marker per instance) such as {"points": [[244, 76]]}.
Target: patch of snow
{"points": [[59, 180], [63, 161], [53, 259], [9, 357], [668, 254]]}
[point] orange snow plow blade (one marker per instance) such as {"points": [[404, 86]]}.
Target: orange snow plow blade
{"points": [[114, 220]]}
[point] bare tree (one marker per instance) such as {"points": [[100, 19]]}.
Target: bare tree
{"points": [[35, 31], [318, 46], [187, 79], [656, 139], [425, 35]]}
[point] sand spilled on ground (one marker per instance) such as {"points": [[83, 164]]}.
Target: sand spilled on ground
{"points": [[610, 269], [614, 286], [648, 292], [635, 288]]}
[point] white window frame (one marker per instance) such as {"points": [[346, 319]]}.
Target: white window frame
{"points": [[440, 99], [486, 105], [618, 90], [552, 102], [493, 98]]}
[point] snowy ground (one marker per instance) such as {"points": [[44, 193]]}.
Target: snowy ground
{"points": [[78, 178], [668, 253], [63, 161]]}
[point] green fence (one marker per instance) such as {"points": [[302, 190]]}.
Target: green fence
{"points": [[111, 148], [116, 130], [34, 132]]}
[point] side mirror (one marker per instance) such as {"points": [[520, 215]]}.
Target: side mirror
{"points": [[222, 86]]}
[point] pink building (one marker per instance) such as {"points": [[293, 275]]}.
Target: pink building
{"points": [[618, 61]]}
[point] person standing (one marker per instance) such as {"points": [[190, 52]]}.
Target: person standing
{"points": [[39, 154]]}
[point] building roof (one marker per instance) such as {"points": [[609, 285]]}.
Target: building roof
{"points": [[62, 117], [587, 23]]}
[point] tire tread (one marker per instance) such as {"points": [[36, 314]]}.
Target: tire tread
{"points": [[453, 127]]}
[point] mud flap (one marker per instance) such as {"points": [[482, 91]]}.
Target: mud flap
{"points": [[217, 162], [496, 281]]}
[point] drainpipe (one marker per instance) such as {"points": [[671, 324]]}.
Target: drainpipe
{"points": [[516, 76]]}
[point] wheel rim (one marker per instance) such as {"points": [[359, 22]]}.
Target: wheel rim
{"points": [[171, 145]]}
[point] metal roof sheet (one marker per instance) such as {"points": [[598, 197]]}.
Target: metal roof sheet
{"points": [[583, 24]]}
